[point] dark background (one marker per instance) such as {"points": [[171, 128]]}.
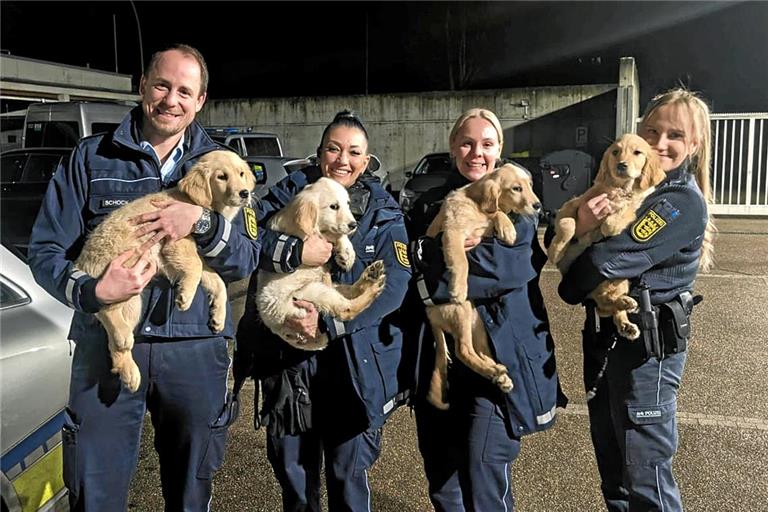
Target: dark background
{"points": [[263, 49]]}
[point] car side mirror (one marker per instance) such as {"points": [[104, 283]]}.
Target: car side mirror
{"points": [[374, 164]]}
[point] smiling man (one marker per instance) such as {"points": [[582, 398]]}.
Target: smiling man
{"points": [[183, 362]]}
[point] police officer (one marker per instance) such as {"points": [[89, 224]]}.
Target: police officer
{"points": [[633, 413], [468, 450], [183, 363], [330, 404]]}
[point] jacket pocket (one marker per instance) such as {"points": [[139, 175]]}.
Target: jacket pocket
{"points": [[499, 447], [387, 362], [651, 436], [213, 455], [70, 432]]}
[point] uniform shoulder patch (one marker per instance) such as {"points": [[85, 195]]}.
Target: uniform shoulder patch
{"points": [[401, 252], [249, 220], [647, 226]]}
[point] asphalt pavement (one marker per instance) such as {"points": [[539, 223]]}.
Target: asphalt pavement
{"points": [[722, 462]]}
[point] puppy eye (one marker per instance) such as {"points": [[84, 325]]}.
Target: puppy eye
{"points": [[242, 174], [221, 177], [638, 152], [615, 152], [335, 206], [517, 188]]}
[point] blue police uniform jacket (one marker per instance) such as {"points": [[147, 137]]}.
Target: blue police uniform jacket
{"points": [[504, 289], [663, 245], [104, 172], [372, 341]]}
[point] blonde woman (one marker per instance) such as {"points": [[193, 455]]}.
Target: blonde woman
{"points": [[635, 384], [469, 450]]}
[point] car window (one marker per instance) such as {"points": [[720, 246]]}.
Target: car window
{"points": [[434, 164], [11, 167], [40, 168], [261, 146], [11, 295], [63, 134]]}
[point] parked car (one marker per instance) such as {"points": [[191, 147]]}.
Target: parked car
{"points": [[24, 177], [246, 142], [62, 124], [433, 170], [35, 361]]}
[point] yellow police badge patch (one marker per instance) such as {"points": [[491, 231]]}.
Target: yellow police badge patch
{"points": [[401, 251], [645, 228], [251, 228]]}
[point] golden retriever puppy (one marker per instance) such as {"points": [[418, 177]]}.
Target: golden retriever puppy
{"points": [[320, 208], [220, 181], [629, 172], [479, 209]]}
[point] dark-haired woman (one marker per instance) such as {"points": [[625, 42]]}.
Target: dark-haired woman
{"points": [[330, 404]]}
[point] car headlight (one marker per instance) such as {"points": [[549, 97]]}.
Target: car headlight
{"points": [[407, 197]]}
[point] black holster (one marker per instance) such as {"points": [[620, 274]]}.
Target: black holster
{"points": [[675, 324]]}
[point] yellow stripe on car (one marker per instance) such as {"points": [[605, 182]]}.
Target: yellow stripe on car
{"points": [[41, 481]]}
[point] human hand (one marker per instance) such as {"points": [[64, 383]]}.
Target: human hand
{"points": [[316, 251], [471, 243], [172, 220], [305, 327], [591, 213], [120, 282]]}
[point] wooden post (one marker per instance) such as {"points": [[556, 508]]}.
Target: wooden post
{"points": [[627, 97]]}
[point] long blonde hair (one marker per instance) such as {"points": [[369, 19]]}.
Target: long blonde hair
{"points": [[698, 112]]}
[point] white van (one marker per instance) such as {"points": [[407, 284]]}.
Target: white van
{"points": [[63, 124]]}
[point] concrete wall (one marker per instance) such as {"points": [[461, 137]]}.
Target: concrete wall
{"points": [[404, 127], [23, 78]]}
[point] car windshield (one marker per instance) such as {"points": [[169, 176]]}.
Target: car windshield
{"points": [[431, 165]]}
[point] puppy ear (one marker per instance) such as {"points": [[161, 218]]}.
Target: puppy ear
{"points": [[603, 173], [306, 215], [197, 184], [652, 173], [486, 195]]}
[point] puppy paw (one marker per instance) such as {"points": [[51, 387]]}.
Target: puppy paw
{"points": [[124, 366], [507, 234], [184, 300], [626, 303], [345, 258], [504, 383], [375, 271], [629, 331], [218, 320]]}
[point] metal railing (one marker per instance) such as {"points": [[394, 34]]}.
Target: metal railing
{"points": [[740, 164]]}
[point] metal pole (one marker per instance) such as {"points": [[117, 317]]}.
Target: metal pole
{"points": [[366, 52], [114, 32], [138, 28]]}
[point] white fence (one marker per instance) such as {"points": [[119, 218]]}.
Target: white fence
{"points": [[740, 164]]}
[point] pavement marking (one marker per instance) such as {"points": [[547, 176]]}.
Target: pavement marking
{"points": [[736, 275], [690, 418]]}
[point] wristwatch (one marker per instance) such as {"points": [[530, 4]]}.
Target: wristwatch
{"points": [[203, 224]]}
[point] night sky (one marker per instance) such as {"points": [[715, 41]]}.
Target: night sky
{"points": [[263, 49]]}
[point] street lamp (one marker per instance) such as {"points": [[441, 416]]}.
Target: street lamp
{"points": [[138, 27]]}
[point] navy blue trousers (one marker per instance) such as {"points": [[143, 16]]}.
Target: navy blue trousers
{"points": [[468, 452], [183, 386], [634, 426], [296, 461]]}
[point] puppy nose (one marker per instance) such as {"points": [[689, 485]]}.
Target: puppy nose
{"points": [[536, 206], [244, 194], [352, 225], [621, 167]]}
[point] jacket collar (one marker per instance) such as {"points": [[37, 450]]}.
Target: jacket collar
{"points": [[128, 134]]}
